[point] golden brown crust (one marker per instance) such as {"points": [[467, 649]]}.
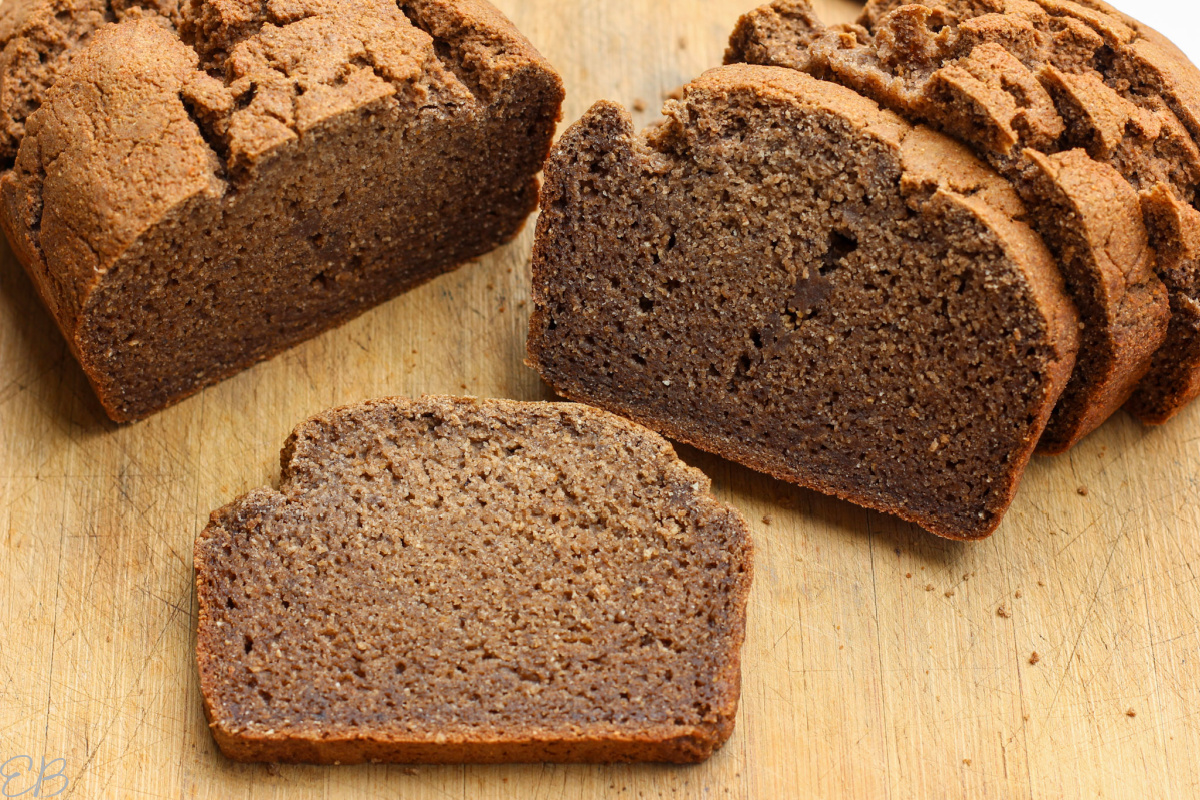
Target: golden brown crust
{"points": [[531, 526], [1174, 378], [39, 38], [1121, 283]]}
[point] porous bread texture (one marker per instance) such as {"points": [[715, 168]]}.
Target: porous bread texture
{"points": [[1049, 75], [190, 200], [1018, 83], [453, 580], [789, 276]]}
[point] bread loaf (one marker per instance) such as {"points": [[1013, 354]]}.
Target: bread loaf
{"points": [[1028, 84], [201, 188]]}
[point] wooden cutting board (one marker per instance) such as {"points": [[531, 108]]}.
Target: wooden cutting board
{"points": [[881, 662]]}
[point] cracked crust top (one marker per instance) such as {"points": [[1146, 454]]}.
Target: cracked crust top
{"points": [[180, 132], [216, 128]]}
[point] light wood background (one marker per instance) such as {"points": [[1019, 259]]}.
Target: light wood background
{"points": [[881, 662]]}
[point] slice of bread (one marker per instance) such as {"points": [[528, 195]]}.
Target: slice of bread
{"points": [[789, 276], [202, 188], [452, 580], [1015, 82]]}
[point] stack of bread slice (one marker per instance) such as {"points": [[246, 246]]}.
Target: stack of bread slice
{"points": [[1092, 116], [887, 260]]}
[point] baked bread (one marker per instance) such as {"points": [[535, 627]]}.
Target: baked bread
{"points": [[789, 276], [1017, 82], [450, 580], [202, 188], [1133, 99]]}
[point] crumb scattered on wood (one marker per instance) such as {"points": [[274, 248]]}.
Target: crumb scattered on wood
{"points": [[1034, 657], [1041, 584], [929, 587], [967, 761], [1083, 491], [639, 105], [950, 593], [1131, 713], [908, 574], [1003, 611], [766, 519], [1018, 594]]}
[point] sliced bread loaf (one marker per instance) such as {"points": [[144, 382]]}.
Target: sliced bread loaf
{"points": [[199, 190], [1016, 83], [787, 275], [449, 580], [1128, 95]]}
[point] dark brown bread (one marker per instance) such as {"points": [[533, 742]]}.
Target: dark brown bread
{"points": [[1019, 84], [190, 200], [1174, 378], [787, 275], [1133, 99], [450, 580]]}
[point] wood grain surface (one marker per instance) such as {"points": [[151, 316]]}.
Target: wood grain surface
{"points": [[881, 662]]}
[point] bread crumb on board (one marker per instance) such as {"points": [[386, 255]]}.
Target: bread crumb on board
{"points": [[1003, 611], [1131, 713], [767, 519], [1083, 491], [1034, 657], [639, 105]]}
